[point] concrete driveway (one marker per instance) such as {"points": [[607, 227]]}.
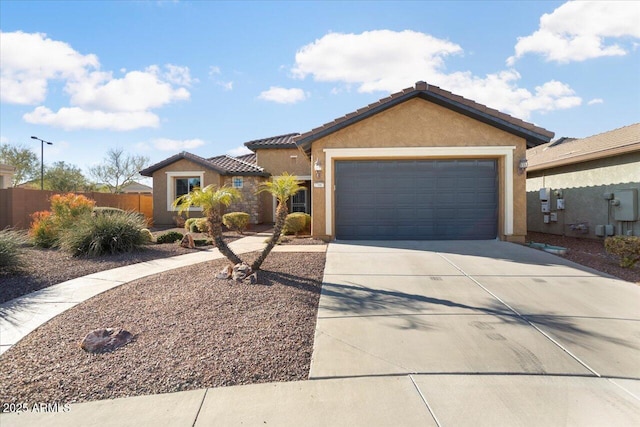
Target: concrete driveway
{"points": [[487, 332]]}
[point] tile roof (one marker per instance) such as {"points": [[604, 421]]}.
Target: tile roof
{"points": [[534, 135], [280, 141], [570, 150], [224, 165]]}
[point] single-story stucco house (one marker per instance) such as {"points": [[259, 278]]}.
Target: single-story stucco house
{"points": [[591, 185], [423, 163]]}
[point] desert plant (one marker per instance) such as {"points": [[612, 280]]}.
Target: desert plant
{"points": [[43, 230], [211, 199], [236, 221], [169, 237], [11, 242], [282, 188], [105, 209], [627, 248], [146, 235], [109, 233], [190, 225], [296, 222], [67, 207], [196, 225]]}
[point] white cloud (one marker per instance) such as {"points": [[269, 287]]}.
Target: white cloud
{"points": [[595, 101], [3, 139], [578, 30], [214, 70], [97, 100], [376, 60], [75, 118], [29, 61], [239, 151], [391, 61], [166, 144], [136, 91], [283, 95], [225, 85]]}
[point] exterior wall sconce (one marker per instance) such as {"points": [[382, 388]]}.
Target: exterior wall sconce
{"points": [[522, 165], [317, 166]]}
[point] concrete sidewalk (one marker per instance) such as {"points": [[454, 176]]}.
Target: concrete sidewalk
{"points": [[432, 334], [23, 315]]}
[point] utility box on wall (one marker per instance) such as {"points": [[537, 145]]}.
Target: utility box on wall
{"points": [[625, 205]]}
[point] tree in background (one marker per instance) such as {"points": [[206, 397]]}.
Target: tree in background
{"points": [[118, 169], [64, 177], [23, 160]]}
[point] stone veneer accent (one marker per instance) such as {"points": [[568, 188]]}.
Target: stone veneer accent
{"points": [[250, 202]]}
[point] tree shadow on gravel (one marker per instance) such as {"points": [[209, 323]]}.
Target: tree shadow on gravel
{"points": [[270, 278]]}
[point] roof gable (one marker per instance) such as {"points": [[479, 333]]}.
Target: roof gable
{"points": [[223, 165], [533, 134], [570, 150]]}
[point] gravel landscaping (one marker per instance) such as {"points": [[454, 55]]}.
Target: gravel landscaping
{"points": [[191, 331], [589, 253]]}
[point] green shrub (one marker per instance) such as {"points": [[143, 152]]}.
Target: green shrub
{"points": [[11, 243], [297, 222], [202, 242], [625, 247], [169, 237], [236, 221], [196, 225], [109, 233], [146, 235]]}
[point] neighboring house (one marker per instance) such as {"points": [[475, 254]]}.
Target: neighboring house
{"points": [[592, 183], [6, 175], [136, 187], [420, 164]]}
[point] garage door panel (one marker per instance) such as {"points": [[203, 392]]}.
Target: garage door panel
{"points": [[421, 199]]}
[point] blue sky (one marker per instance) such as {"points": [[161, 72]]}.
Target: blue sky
{"points": [[160, 77]]}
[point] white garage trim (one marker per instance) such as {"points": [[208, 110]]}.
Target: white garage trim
{"points": [[332, 154]]}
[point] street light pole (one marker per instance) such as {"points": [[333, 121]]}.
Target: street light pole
{"points": [[42, 142]]}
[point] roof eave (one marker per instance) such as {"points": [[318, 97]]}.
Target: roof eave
{"points": [[532, 138], [586, 157]]}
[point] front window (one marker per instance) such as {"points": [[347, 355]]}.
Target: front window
{"points": [[237, 182], [186, 185]]}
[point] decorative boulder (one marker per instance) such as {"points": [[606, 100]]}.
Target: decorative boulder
{"points": [[225, 273], [105, 340], [187, 241], [240, 272]]}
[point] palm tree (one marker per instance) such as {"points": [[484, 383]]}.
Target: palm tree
{"points": [[211, 199], [282, 187]]}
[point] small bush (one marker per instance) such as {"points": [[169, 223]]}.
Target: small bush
{"points": [[66, 208], [236, 221], [625, 247], [146, 235], [44, 229], [196, 225], [11, 242], [109, 233], [170, 237], [296, 222]]}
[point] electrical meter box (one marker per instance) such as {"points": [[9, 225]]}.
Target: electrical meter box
{"points": [[546, 208], [560, 204], [627, 209], [545, 193]]}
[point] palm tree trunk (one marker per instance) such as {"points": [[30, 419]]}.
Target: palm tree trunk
{"points": [[281, 216], [215, 228]]}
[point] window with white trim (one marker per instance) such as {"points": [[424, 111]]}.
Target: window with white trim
{"points": [[238, 182], [181, 183]]}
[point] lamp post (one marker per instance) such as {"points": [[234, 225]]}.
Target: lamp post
{"points": [[42, 142]]}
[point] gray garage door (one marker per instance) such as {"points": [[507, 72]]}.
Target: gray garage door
{"points": [[417, 200]]}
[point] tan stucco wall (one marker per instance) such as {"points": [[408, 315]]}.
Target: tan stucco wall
{"points": [[161, 215], [582, 187], [419, 123], [276, 161]]}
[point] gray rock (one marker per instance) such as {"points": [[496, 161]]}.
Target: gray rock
{"points": [[241, 271], [105, 340]]}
